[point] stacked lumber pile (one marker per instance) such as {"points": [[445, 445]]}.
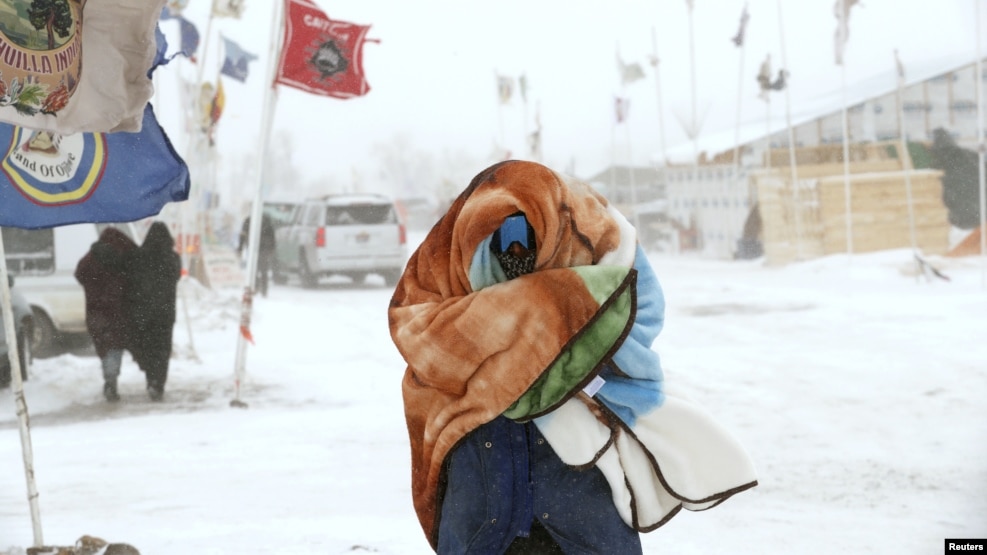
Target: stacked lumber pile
{"points": [[811, 220]]}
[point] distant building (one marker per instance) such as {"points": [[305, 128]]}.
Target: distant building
{"points": [[938, 94], [708, 204], [639, 194]]}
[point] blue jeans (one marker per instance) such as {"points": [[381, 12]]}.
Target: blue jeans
{"points": [[111, 364], [503, 476]]}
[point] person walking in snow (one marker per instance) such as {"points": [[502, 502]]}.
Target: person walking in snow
{"points": [[101, 272], [153, 271], [265, 255], [535, 406]]}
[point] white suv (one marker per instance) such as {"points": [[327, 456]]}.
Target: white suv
{"points": [[348, 234]]}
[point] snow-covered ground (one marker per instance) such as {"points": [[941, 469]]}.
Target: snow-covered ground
{"points": [[858, 388]]}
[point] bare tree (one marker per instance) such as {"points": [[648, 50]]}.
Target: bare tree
{"points": [[405, 169], [281, 176]]}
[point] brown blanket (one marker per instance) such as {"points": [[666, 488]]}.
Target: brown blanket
{"points": [[472, 354]]}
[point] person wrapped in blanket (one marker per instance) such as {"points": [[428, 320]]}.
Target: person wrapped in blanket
{"points": [[538, 415]]}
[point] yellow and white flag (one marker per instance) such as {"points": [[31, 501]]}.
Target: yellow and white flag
{"points": [[228, 8], [65, 73]]}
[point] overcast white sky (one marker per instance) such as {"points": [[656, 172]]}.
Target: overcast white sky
{"points": [[433, 73]]}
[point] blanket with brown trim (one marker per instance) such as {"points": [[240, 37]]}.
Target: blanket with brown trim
{"points": [[479, 345]]}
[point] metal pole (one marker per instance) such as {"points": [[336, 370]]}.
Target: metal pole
{"points": [[267, 119], [19, 401], [740, 90], [846, 134], [980, 159], [906, 159], [694, 126], [630, 172], [661, 118], [791, 141], [694, 131]]}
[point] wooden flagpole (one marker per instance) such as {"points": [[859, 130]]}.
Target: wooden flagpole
{"points": [[20, 403], [267, 120], [791, 138]]}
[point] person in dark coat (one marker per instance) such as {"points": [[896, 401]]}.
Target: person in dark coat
{"points": [[101, 273], [153, 271], [265, 255]]}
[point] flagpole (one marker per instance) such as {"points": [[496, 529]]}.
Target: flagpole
{"points": [[791, 138], [630, 169], [694, 126], [980, 157], [522, 85], [613, 149], [267, 119], [627, 136], [194, 136], [500, 117], [842, 29], [20, 403], [767, 129], [906, 159], [661, 117], [692, 79], [740, 89]]}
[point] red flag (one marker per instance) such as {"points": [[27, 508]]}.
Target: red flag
{"points": [[319, 55], [621, 106]]}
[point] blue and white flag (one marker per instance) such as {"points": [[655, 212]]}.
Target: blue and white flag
{"points": [[235, 64], [189, 34], [48, 179]]}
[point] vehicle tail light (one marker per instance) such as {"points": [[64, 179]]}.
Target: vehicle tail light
{"points": [[402, 234], [320, 237]]}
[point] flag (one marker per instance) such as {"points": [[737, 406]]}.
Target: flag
{"points": [[235, 63], [228, 8], [505, 88], [176, 6], [764, 78], [765, 82], [738, 39], [65, 76], [212, 100], [189, 34], [629, 72], [321, 56], [900, 69], [217, 104], [779, 83], [534, 138], [622, 106], [842, 12], [49, 179]]}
